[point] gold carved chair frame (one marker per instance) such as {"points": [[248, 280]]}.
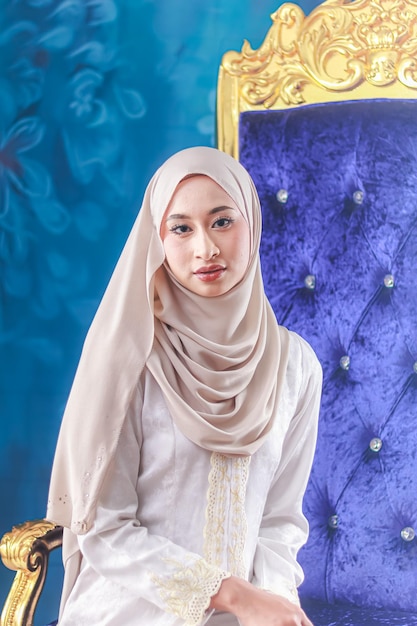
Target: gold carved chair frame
{"points": [[25, 549]]}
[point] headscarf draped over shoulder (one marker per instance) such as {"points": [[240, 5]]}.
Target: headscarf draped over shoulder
{"points": [[219, 361]]}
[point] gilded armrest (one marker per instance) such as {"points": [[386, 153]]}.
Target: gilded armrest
{"points": [[26, 549]]}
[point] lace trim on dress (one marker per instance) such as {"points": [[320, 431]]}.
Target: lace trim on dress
{"points": [[226, 524], [188, 591]]}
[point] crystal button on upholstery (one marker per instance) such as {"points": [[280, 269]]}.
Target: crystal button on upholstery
{"points": [[282, 196], [345, 362], [389, 281], [333, 522], [415, 367], [375, 444], [408, 533], [310, 281], [358, 196]]}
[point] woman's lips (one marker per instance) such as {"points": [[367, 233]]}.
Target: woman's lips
{"points": [[210, 273]]}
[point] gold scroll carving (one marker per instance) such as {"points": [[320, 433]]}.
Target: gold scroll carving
{"points": [[26, 549], [341, 47]]}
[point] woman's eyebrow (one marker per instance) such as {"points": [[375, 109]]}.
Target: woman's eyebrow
{"points": [[177, 216], [219, 209], [182, 216]]}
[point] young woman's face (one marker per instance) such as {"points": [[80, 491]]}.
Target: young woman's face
{"points": [[206, 238]]}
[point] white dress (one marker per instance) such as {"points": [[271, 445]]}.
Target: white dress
{"points": [[174, 519]]}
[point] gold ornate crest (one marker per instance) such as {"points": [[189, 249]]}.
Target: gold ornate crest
{"points": [[343, 50]]}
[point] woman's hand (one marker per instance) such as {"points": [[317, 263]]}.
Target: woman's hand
{"points": [[256, 607]]}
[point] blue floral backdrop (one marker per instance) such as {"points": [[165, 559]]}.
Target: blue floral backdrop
{"points": [[94, 95]]}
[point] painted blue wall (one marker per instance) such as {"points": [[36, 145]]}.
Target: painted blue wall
{"points": [[94, 95]]}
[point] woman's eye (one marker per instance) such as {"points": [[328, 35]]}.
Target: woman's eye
{"points": [[222, 222], [180, 229]]}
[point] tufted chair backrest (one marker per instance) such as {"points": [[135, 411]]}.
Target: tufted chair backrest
{"points": [[324, 116]]}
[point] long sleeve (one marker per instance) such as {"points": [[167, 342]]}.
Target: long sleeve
{"points": [[149, 566], [284, 528]]}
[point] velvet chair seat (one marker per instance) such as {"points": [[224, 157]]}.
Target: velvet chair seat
{"points": [[323, 614]]}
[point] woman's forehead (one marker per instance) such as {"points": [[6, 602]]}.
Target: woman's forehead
{"points": [[201, 194], [199, 183]]}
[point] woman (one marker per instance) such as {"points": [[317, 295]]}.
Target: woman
{"points": [[190, 429]]}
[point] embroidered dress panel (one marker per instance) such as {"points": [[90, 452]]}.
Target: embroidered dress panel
{"points": [[226, 524]]}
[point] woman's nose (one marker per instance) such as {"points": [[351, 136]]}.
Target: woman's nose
{"points": [[205, 247]]}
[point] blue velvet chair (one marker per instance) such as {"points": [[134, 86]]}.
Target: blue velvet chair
{"points": [[324, 116]]}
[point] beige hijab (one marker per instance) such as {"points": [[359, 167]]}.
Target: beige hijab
{"points": [[219, 361]]}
